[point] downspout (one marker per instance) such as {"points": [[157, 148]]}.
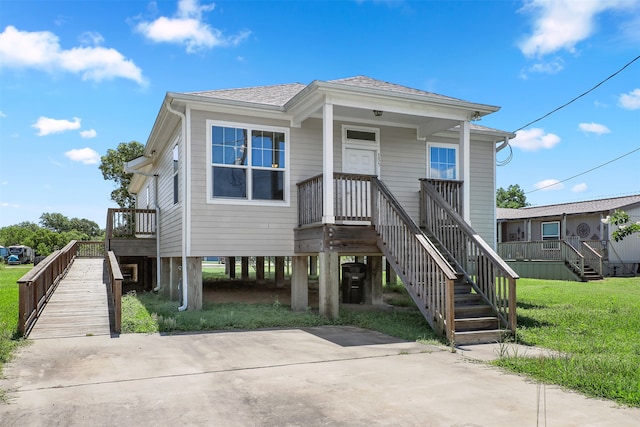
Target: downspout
{"points": [[185, 286], [157, 207]]}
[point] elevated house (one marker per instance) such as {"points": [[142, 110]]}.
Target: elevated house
{"points": [[354, 166], [569, 241]]}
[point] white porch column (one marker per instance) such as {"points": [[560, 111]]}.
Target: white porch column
{"points": [[465, 160], [300, 283], [328, 216]]}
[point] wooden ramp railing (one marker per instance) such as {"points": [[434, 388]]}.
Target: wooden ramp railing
{"points": [[37, 287], [427, 276], [490, 276]]}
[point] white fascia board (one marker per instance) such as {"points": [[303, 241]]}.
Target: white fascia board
{"points": [[482, 109]]}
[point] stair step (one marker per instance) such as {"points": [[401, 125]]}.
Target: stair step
{"points": [[462, 288], [477, 323], [468, 311], [466, 299], [479, 337]]}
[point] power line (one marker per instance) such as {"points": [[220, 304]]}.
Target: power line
{"points": [[585, 172], [579, 96]]}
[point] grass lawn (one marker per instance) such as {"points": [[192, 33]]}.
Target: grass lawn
{"points": [[595, 329], [9, 311]]}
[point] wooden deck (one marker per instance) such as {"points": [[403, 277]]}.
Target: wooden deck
{"points": [[79, 306]]}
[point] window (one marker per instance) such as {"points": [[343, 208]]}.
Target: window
{"points": [[551, 230], [175, 173], [443, 161], [248, 163]]}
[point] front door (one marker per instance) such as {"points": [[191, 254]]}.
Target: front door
{"points": [[359, 157]]}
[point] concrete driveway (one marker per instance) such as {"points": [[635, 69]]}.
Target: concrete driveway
{"points": [[325, 376]]}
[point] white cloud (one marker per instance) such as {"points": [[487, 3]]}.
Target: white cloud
{"points": [[631, 100], [188, 27], [41, 50], [10, 205], [561, 24], [549, 184], [594, 128], [2, 114], [91, 133], [86, 155], [551, 67], [47, 126], [534, 139], [579, 188]]}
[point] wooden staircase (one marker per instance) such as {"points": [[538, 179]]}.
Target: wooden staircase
{"points": [[467, 301]]}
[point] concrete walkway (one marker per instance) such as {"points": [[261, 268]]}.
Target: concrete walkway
{"points": [[325, 376]]}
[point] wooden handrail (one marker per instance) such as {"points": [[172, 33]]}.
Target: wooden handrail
{"points": [[125, 223], [490, 275], [115, 287], [36, 287], [427, 276], [592, 258]]}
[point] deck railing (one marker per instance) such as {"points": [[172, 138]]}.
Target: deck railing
{"points": [[115, 289], [38, 284], [90, 249], [124, 223], [490, 276], [351, 198], [450, 190], [554, 250], [427, 276]]}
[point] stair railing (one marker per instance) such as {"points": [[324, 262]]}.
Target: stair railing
{"points": [[592, 258], [490, 276], [427, 276]]}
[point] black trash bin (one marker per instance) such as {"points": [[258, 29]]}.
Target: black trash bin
{"points": [[353, 275]]}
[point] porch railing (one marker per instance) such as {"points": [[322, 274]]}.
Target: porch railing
{"points": [[554, 250], [427, 276], [450, 190], [351, 198], [490, 276], [115, 289], [124, 223]]}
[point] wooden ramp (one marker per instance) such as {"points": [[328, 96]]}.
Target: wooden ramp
{"points": [[79, 306]]}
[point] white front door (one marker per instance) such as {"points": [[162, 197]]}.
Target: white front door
{"points": [[360, 160]]}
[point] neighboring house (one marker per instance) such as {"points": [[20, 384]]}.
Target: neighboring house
{"points": [[332, 168], [559, 241]]}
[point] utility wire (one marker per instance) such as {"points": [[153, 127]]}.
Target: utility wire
{"points": [[579, 96], [585, 172]]}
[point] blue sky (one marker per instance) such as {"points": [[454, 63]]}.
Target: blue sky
{"points": [[79, 77]]}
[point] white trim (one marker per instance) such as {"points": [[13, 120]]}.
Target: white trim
{"points": [[465, 145], [248, 202], [455, 147], [328, 212], [186, 164]]}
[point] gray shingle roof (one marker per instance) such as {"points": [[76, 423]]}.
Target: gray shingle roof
{"points": [[590, 206], [278, 95]]}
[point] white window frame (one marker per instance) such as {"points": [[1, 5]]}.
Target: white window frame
{"points": [[550, 244], [249, 127], [175, 177], [455, 147]]}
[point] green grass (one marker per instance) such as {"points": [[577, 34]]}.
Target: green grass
{"points": [[147, 313], [595, 329], [9, 339]]}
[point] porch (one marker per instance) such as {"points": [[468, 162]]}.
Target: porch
{"points": [[556, 259]]}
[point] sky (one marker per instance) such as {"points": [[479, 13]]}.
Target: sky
{"points": [[79, 77]]}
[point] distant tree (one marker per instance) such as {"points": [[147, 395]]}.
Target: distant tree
{"points": [[55, 222], [513, 197], [112, 168], [621, 219], [85, 226]]}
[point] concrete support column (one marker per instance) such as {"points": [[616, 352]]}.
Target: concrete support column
{"points": [[244, 268], [329, 292], [259, 269], [279, 278], [165, 279], [313, 265], [300, 283], [391, 275], [231, 267], [176, 275], [194, 278], [374, 280]]}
